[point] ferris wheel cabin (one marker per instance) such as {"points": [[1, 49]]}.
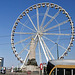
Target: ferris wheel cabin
{"points": [[61, 67]]}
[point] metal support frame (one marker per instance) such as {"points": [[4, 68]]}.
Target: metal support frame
{"points": [[64, 71], [72, 72], [56, 71], [43, 48]]}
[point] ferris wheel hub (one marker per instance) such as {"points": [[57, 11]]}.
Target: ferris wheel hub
{"points": [[39, 33]]}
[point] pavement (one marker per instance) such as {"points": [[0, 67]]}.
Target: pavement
{"points": [[18, 73]]}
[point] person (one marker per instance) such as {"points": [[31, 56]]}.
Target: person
{"points": [[4, 69], [12, 69]]}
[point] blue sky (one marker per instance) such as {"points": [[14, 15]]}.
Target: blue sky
{"points": [[10, 10]]}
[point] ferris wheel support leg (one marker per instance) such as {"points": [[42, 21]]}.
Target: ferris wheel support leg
{"points": [[48, 51], [46, 48], [43, 49], [25, 59], [39, 53]]}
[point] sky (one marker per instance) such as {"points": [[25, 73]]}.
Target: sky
{"points": [[10, 10]]}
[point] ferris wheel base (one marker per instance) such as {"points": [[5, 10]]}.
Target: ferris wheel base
{"points": [[31, 68]]}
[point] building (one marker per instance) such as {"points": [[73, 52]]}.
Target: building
{"points": [[1, 61]]}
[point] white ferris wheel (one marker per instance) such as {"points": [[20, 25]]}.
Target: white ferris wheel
{"points": [[49, 25]]}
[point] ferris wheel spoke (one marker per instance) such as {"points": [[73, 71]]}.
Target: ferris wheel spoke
{"points": [[54, 42], [62, 23], [52, 47], [23, 33], [52, 19], [31, 21], [47, 49], [56, 34], [23, 51], [50, 16], [44, 16], [25, 48], [27, 26], [37, 17], [23, 40], [57, 23], [55, 20]]}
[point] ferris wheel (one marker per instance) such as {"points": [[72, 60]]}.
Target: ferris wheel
{"points": [[49, 25]]}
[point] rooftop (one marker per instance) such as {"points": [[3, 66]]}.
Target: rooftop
{"points": [[62, 62]]}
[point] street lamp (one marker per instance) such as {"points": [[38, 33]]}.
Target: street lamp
{"points": [[57, 51]]}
